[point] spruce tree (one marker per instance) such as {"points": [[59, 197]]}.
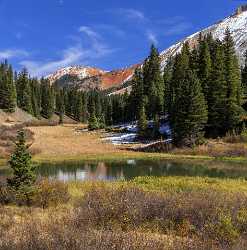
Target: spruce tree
{"points": [[153, 84], [47, 99], [205, 66], [217, 97], [93, 122], [244, 81], [190, 112], [234, 87], [180, 69], [23, 88], [7, 88], [167, 76], [60, 107], [137, 93], [23, 170], [35, 97], [142, 121]]}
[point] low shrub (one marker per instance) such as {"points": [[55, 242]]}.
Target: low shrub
{"points": [[50, 193], [211, 216]]}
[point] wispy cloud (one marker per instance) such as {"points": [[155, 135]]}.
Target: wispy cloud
{"points": [[76, 54], [12, 53], [152, 37], [133, 14]]}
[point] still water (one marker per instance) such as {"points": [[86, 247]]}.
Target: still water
{"points": [[126, 170]]}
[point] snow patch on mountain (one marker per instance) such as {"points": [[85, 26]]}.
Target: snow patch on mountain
{"points": [[237, 24]]}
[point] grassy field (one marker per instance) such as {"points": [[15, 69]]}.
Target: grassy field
{"points": [[146, 213], [65, 143]]}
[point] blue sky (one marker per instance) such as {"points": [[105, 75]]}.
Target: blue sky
{"points": [[44, 35]]}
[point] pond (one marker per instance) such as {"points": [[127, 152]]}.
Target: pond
{"points": [[129, 169]]}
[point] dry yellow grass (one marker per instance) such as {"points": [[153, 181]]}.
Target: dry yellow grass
{"points": [[66, 141]]}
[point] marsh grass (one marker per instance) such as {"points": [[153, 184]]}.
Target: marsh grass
{"points": [[146, 213]]}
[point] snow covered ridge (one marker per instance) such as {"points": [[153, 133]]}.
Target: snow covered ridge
{"points": [[80, 71], [237, 24]]}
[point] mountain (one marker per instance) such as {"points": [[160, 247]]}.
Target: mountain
{"points": [[236, 23], [92, 78], [117, 81]]}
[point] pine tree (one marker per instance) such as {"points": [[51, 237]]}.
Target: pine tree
{"points": [[205, 65], [180, 69], [190, 112], [217, 90], [23, 88], [93, 122], [244, 81], [79, 108], [137, 93], [167, 76], [153, 84], [35, 97], [234, 87], [142, 121], [47, 99], [23, 169], [7, 88], [60, 107]]}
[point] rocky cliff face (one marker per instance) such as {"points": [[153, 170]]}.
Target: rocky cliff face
{"points": [[115, 81]]}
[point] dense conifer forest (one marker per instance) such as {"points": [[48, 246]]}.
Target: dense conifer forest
{"points": [[201, 93]]}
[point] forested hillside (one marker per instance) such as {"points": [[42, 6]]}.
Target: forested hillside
{"points": [[200, 93]]}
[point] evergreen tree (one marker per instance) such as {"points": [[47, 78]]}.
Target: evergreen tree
{"points": [[93, 122], [24, 100], [234, 86], [85, 107], [244, 81], [137, 93], [205, 65], [190, 112], [180, 69], [35, 97], [60, 107], [47, 99], [142, 121], [153, 84], [7, 88], [167, 76], [217, 90], [79, 108], [23, 169]]}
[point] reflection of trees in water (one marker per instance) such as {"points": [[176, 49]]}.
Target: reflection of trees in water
{"points": [[124, 170]]}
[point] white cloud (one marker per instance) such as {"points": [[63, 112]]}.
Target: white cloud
{"points": [[70, 56], [89, 32], [152, 37], [11, 53], [132, 14], [76, 54]]}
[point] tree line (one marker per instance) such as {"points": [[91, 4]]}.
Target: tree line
{"points": [[40, 98], [201, 92]]}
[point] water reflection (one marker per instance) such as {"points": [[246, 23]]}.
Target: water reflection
{"points": [[129, 169]]}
